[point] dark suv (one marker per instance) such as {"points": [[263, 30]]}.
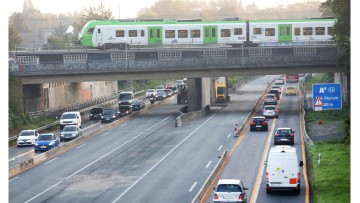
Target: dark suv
{"points": [[275, 92], [284, 135], [109, 115], [259, 123], [95, 113]]}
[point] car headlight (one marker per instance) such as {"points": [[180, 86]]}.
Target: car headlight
{"points": [[90, 114], [113, 116], [36, 144], [102, 116], [51, 143]]}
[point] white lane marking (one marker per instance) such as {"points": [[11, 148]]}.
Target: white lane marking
{"points": [[105, 134], [192, 187], [13, 179], [220, 148], [80, 146], [207, 166], [242, 117], [97, 160], [50, 161], [161, 160], [229, 135], [43, 192], [13, 159], [124, 124]]}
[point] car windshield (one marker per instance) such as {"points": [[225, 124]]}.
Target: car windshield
{"points": [[270, 96], [290, 88], [69, 128], [108, 112], [137, 102], [151, 91], [258, 119], [26, 133], [270, 108], [228, 188], [68, 116], [96, 110], [45, 137], [274, 91], [125, 96]]}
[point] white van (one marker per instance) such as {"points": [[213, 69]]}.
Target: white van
{"points": [[70, 118], [283, 169]]}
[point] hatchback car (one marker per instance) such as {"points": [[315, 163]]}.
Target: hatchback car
{"points": [[277, 87], [270, 99], [259, 123], [161, 95], [284, 135], [230, 190], [109, 115], [46, 142], [275, 92], [150, 92], [138, 104], [270, 111], [169, 92], [70, 132], [279, 82], [290, 90], [95, 113], [27, 137]]}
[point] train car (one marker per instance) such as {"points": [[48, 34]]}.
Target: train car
{"points": [[122, 34]]}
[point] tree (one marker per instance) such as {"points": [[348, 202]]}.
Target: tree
{"points": [[94, 13], [14, 37]]}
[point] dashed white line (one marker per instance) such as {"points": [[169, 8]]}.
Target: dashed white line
{"points": [[50, 160], [80, 146], [104, 134], [192, 187], [14, 178], [220, 148], [229, 135], [125, 124], [207, 166]]}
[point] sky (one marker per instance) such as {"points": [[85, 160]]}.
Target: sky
{"points": [[128, 9]]}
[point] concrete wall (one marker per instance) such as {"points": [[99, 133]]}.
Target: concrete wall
{"points": [[194, 94], [32, 95], [344, 80], [206, 86]]}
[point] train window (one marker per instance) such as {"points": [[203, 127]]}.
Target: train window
{"points": [[182, 33], [90, 31], [99, 31], [213, 32], [257, 31], [151, 33], [207, 32], [132, 33], [237, 31], [120, 33], [320, 31], [157, 33], [169, 33], [195, 33], [269, 31], [297, 31], [307, 31], [330, 30], [142, 33], [225, 32]]}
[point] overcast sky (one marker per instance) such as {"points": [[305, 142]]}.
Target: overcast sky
{"points": [[128, 8]]}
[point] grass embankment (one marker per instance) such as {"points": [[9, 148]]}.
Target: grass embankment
{"points": [[330, 180]]}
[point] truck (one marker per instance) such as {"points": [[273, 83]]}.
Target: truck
{"points": [[125, 102], [182, 96], [221, 92]]}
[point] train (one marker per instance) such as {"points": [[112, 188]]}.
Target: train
{"points": [[106, 34]]}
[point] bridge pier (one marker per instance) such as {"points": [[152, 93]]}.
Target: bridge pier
{"points": [[344, 79], [32, 97], [198, 93]]}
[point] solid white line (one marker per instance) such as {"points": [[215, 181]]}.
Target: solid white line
{"points": [[90, 126], [207, 166], [220, 148], [50, 161], [242, 117], [229, 135], [192, 187], [13, 179], [105, 134], [80, 146], [96, 160], [125, 124], [161, 160]]}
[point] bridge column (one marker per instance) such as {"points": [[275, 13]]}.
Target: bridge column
{"points": [[198, 93], [32, 97], [344, 80]]}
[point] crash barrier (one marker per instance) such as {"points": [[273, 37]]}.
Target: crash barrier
{"points": [[200, 195], [15, 170], [186, 117]]}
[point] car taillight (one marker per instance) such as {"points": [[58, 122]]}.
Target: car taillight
{"points": [[298, 177], [267, 176], [264, 123], [216, 197], [252, 123], [241, 197], [292, 134], [276, 111], [276, 134]]}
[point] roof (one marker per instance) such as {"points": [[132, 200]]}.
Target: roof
{"points": [[259, 117], [229, 181], [285, 148]]}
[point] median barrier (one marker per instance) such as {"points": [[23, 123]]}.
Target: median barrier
{"points": [[186, 117]]}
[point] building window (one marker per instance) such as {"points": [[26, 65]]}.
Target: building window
{"points": [[195, 33], [132, 33], [225, 32], [237, 31], [120, 33], [269, 31], [183, 33], [169, 33], [257, 31], [307, 31]]}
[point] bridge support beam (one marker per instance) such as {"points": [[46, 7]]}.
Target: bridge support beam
{"points": [[198, 93], [32, 97]]}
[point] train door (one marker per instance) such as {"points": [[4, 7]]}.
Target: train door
{"points": [[210, 34], [98, 36], [285, 33], [154, 35]]}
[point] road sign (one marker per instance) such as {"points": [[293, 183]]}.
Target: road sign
{"points": [[327, 96]]}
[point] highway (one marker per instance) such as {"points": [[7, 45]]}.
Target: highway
{"points": [[148, 159]]}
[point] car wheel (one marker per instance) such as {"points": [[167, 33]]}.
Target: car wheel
{"points": [[251, 129], [19, 146], [268, 191], [266, 129], [274, 142], [277, 116], [297, 191]]}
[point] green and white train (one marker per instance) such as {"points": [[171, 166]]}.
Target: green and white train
{"points": [[105, 34]]}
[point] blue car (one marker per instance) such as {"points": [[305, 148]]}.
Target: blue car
{"points": [[46, 142]]}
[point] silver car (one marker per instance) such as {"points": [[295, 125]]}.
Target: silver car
{"points": [[270, 111], [230, 190]]}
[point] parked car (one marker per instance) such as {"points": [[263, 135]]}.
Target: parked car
{"points": [[280, 81], [275, 92], [230, 190], [70, 132], [283, 169], [290, 90], [284, 135], [270, 99], [27, 137], [109, 115], [70, 118], [259, 123], [169, 92], [138, 104], [150, 92], [46, 142], [161, 95], [270, 111], [95, 113]]}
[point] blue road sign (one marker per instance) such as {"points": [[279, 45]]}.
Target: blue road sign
{"points": [[327, 96]]}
